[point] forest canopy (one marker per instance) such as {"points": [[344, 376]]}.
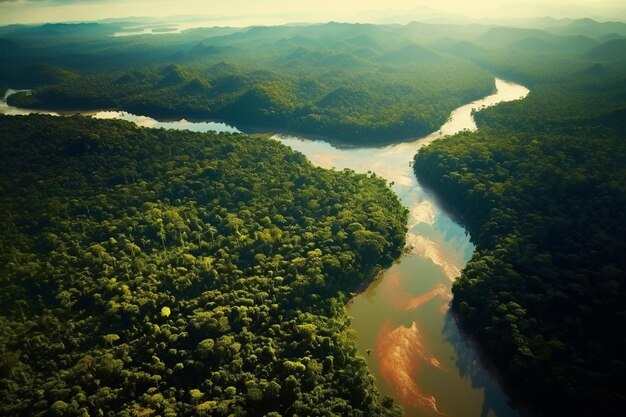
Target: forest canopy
{"points": [[157, 272], [345, 82], [207, 274], [541, 188]]}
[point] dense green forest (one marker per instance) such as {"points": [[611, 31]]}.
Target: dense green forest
{"points": [[357, 83], [541, 187], [157, 272], [170, 273]]}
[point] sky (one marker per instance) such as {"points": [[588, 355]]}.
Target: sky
{"points": [[248, 12]]}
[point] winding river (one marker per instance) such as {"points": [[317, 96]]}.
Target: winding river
{"points": [[403, 328], [402, 323]]}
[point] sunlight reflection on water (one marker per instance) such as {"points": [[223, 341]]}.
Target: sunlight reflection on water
{"points": [[435, 240], [408, 324]]}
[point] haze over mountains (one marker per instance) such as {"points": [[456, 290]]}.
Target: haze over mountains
{"points": [[345, 81], [248, 12]]}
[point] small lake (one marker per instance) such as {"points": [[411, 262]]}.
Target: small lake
{"points": [[402, 324]]}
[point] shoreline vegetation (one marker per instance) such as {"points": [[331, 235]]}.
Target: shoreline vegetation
{"points": [[210, 278], [342, 135], [353, 84], [540, 188]]}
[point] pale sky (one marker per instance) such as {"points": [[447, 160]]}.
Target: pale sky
{"points": [[248, 12]]}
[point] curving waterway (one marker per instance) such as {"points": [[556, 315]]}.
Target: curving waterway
{"points": [[416, 351], [402, 323], [142, 121]]}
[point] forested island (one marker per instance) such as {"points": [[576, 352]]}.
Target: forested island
{"points": [[541, 187], [153, 272]]}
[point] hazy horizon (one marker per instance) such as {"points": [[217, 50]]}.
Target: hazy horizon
{"points": [[250, 12]]}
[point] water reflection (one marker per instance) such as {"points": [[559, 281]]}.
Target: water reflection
{"points": [[15, 111], [142, 121], [469, 366], [145, 121], [422, 212], [421, 359], [400, 352], [420, 245], [400, 298]]}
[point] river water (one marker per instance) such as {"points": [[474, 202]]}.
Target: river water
{"points": [[401, 321], [143, 121], [402, 324]]}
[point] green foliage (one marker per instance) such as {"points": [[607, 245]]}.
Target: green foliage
{"points": [[252, 249], [541, 187], [355, 83], [155, 272], [46, 74]]}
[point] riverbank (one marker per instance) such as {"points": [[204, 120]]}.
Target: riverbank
{"points": [[407, 301], [440, 249], [341, 136], [192, 123]]}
